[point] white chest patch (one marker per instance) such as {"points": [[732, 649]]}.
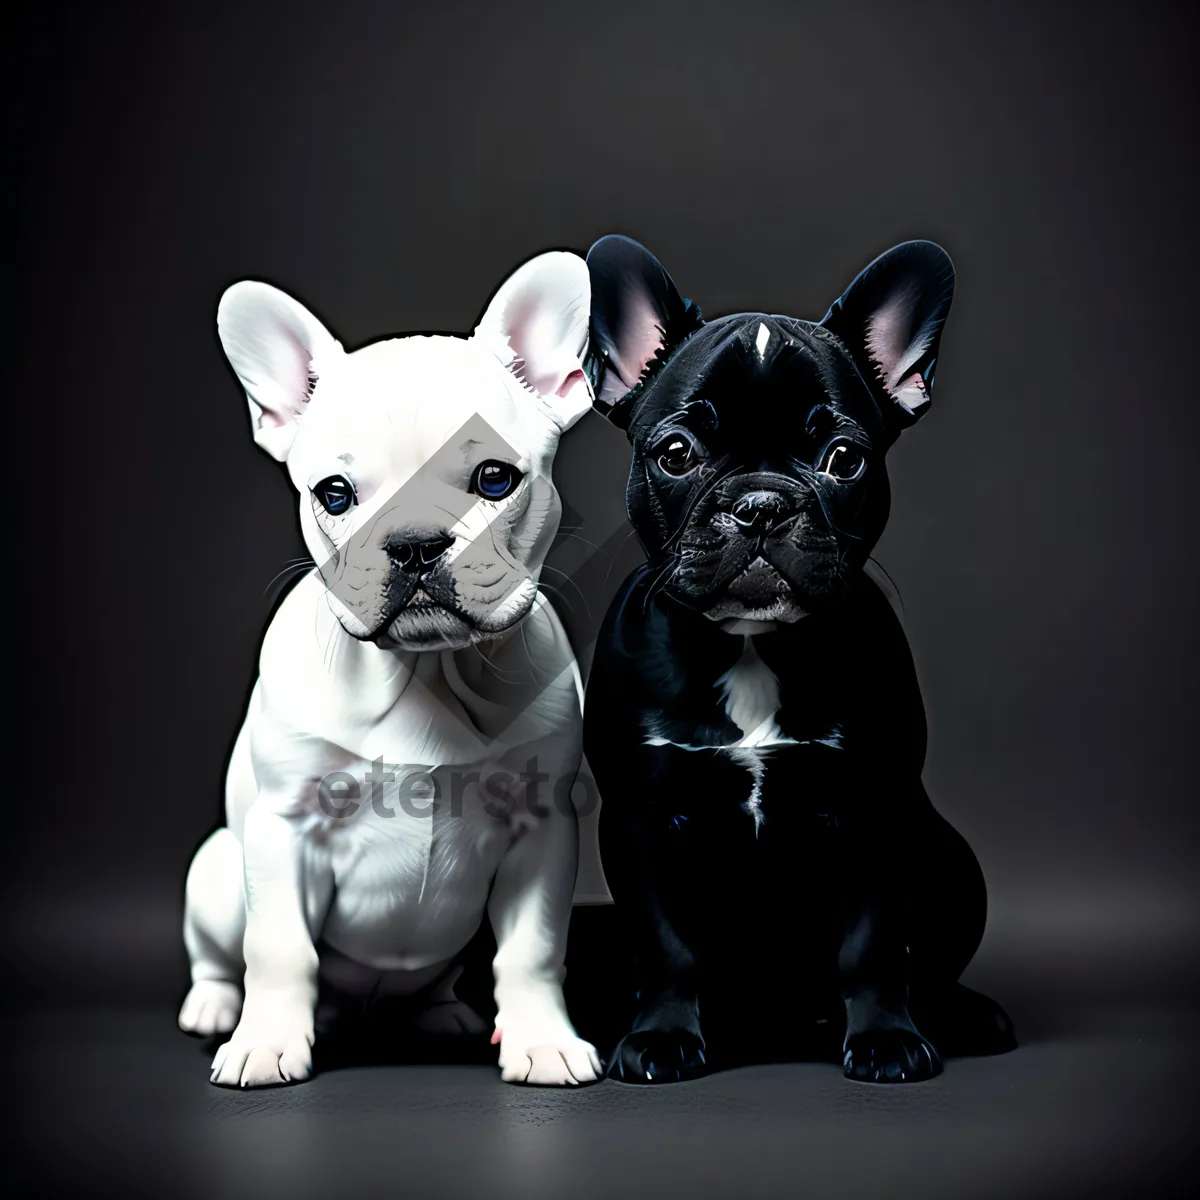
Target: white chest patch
{"points": [[751, 696], [751, 699]]}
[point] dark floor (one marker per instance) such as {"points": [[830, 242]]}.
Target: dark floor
{"points": [[1098, 1101]]}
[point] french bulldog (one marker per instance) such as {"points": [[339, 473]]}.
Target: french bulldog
{"points": [[407, 686], [753, 716]]}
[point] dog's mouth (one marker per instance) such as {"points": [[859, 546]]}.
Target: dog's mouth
{"points": [[420, 601], [439, 610], [757, 593], [416, 615], [431, 620], [759, 582], [426, 626], [425, 619]]}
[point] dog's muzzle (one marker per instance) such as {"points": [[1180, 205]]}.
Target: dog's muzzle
{"points": [[758, 512], [416, 556]]}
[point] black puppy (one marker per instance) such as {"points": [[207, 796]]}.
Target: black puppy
{"points": [[753, 717]]}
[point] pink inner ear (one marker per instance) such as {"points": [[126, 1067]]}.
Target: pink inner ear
{"points": [[297, 382], [571, 382], [641, 335], [535, 338], [277, 371], [517, 327], [911, 392], [889, 337]]}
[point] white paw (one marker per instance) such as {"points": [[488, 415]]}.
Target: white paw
{"points": [[211, 1006], [549, 1058], [450, 1016], [265, 1052]]}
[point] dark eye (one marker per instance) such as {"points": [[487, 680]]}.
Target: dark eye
{"points": [[675, 454], [336, 494], [495, 480], [844, 461]]}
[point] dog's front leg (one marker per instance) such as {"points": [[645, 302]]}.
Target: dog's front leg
{"points": [[288, 889], [882, 1044], [530, 912], [667, 842]]}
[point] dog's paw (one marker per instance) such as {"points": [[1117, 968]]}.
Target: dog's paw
{"points": [[211, 1006], [658, 1056], [547, 1059], [265, 1053], [897, 1055]]}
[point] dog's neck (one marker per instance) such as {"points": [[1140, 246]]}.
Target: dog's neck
{"points": [[446, 683], [422, 661], [731, 626], [747, 628]]}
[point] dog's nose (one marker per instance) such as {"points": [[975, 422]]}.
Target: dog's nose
{"points": [[757, 511], [418, 554]]}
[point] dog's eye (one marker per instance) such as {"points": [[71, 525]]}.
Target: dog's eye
{"points": [[495, 480], [675, 454], [336, 495], [844, 462]]}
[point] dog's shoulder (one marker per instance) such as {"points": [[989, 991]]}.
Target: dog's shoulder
{"points": [[297, 646], [654, 657], [876, 626], [316, 679], [636, 639], [868, 682]]}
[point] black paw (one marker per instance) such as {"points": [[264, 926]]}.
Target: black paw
{"points": [[890, 1056], [658, 1056]]}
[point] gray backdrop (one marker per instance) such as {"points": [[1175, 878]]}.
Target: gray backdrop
{"points": [[390, 163]]}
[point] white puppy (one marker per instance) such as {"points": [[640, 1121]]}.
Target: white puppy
{"points": [[408, 754]]}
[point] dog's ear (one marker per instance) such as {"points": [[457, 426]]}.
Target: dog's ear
{"points": [[638, 318], [537, 324], [890, 319], [278, 349]]}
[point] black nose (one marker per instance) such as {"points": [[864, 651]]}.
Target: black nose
{"points": [[417, 554], [756, 512]]}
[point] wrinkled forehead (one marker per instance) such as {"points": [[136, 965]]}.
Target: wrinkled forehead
{"points": [[759, 375], [401, 401]]}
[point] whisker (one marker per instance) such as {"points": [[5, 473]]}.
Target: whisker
{"points": [[571, 536], [499, 672], [587, 607], [295, 568], [617, 553], [662, 578], [528, 656], [697, 501]]}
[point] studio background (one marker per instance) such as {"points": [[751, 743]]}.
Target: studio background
{"points": [[389, 164]]}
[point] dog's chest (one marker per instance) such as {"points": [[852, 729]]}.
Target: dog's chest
{"points": [[750, 699], [742, 714], [743, 726], [426, 723], [414, 863]]}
